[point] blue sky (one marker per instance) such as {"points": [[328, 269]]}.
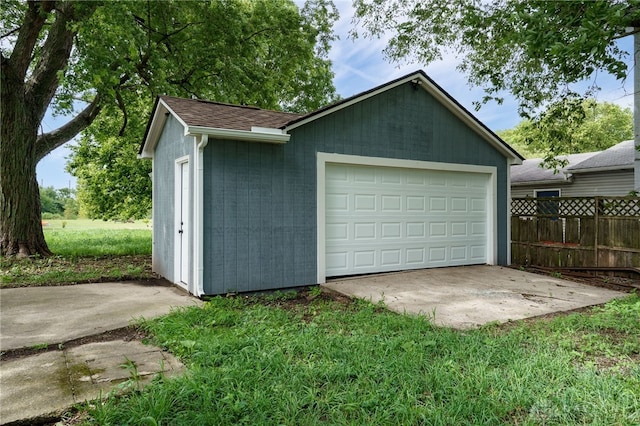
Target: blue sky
{"points": [[360, 65]]}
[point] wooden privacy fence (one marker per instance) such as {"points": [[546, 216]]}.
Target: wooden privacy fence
{"points": [[576, 231]]}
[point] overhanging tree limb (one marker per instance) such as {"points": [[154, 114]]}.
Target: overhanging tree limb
{"points": [[42, 84], [47, 142]]}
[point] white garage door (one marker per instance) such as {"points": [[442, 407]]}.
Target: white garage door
{"points": [[389, 219]]}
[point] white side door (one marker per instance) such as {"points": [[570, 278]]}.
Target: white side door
{"points": [[182, 223]]}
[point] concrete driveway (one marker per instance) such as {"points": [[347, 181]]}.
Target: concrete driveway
{"points": [[469, 296]]}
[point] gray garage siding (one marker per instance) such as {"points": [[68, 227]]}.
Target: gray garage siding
{"points": [[171, 146], [260, 199]]}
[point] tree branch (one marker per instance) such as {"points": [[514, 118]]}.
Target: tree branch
{"points": [[47, 142], [250, 36], [123, 108], [34, 19], [42, 84], [626, 34], [15, 30]]}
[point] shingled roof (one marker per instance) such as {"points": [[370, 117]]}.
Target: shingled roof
{"points": [[195, 112], [620, 156], [531, 171]]}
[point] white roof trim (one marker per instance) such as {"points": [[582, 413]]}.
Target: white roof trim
{"points": [[240, 135], [267, 130], [155, 128], [436, 92]]}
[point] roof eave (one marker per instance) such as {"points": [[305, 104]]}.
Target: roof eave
{"points": [[602, 169], [276, 136], [541, 182], [160, 113], [153, 131]]}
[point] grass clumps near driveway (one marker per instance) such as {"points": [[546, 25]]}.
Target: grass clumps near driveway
{"points": [[320, 360]]}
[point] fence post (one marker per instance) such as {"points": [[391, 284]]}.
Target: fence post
{"points": [[595, 227]]}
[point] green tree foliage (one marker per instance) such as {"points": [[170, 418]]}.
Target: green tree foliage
{"points": [[50, 201], [112, 182], [265, 53], [536, 50], [58, 202], [91, 59], [597, 127]]}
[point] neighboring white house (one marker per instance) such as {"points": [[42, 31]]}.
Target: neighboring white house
{"points": [[609, 172]]}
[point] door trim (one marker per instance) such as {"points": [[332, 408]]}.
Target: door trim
{"points": [[177, 264], [323, 158]]}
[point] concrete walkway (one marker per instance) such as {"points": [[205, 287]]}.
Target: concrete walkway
{"points": [[469, 296], [50, 381]]}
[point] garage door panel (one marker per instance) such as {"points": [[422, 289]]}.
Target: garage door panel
{"points": [[388, 177], [437, 254], [337, 261], [391, 203], [364, 202], [458, 205], [438, 229], [337, 231], [458, 229], [364, 231], [459, 253], [364, 258], [364, 175], [391, 230], [391, 257], [438, 204], [387, 219], [478, 252], [478, 229], [337, 202], [415, 230]]}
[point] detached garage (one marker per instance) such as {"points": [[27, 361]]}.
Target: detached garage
{"points": [[398, 177]]}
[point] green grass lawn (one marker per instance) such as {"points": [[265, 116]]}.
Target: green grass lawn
{"points": [[270, 360], [84, 251]]}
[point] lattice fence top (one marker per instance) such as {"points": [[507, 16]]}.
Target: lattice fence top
{"points": [[576, 206]]}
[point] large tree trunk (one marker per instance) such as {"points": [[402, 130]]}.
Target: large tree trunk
{"points": [[20, 223], [28, 82]]}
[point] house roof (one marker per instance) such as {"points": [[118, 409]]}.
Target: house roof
{"points": [[200, 113], [620, 156], [531, 170], [250, 123], [215, 119]]}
